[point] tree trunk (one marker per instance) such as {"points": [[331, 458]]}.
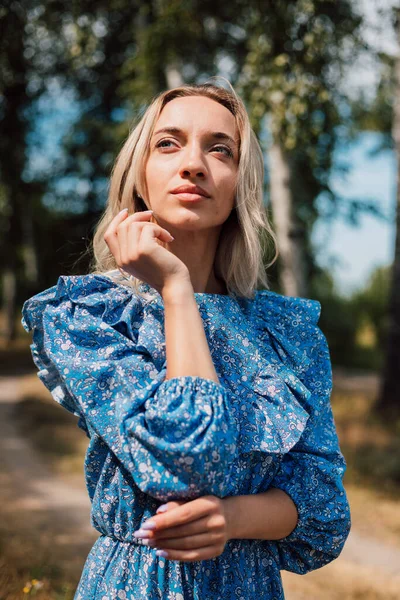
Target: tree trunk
{"points": [[289, 234], [173, 76], [9, 285], [29, 250], [389, 399]]}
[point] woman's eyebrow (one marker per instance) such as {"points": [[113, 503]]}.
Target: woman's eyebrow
{"points": [[218, 135]]}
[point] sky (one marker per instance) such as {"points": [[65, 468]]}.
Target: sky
{"points": [[358, 250]]}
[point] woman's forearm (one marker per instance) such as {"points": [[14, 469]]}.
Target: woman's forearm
{"points": [[270, 515], [267, 515], [187, 348]]}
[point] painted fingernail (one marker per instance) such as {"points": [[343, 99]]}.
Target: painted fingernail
{"points": [[123, 210], [141, 533], [148, 543], [162, 553], [148, 525], [162, 508]]}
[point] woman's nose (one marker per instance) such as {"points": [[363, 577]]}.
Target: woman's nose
{"points": [[193, 162]]}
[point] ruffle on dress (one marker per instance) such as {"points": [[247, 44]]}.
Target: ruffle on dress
{"points": [[290, 326]]}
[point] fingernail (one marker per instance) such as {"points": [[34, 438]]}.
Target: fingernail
{"points": [[150, 543], [141, 533], [148, 525], [162, 553], [172, 238], [123, 210], [162, 508], [148, 211]]}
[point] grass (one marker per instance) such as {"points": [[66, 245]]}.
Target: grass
{"points": [[18, 583], [370, 445], [27, 567]]}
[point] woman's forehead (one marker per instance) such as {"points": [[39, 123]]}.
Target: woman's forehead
{"points": [[199, 112]]}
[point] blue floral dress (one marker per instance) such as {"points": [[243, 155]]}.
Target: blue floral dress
{"points": [[100, 350]]}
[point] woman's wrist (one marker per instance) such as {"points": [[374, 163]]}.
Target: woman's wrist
{"points": [[177, 290], [270, 515], [231, 506]]}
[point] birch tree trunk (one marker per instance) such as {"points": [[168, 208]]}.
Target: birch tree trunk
{"points": [[289, 234], [389, 399], [173, 76]]}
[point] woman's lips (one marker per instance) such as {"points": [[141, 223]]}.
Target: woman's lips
{"points": [[188, 197]]}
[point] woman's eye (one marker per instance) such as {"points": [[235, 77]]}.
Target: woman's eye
{"points": [[227, 150], [163, 142]]}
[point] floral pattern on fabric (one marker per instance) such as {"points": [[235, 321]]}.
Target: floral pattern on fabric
{"points": [[100, 350]]}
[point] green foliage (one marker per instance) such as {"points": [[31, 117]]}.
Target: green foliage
{"points": [[376, 113], [372, 302], [292, 83], [355, 327], [285, 58]]}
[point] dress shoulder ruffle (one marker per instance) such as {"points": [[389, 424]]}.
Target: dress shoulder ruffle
{"points": [[275, 415], [100, 299], [291, 325], [288, 332]]}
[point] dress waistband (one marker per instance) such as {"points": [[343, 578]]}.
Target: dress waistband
{"points": [[134, 541]]}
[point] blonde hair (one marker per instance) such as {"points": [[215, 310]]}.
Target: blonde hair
{"points": [[246, 234]]}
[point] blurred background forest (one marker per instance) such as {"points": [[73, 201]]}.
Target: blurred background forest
{"points": [[321, 82]]}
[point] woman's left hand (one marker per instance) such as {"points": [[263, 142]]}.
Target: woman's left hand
{"points": [[190, 530]]}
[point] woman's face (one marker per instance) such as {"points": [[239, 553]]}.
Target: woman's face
{"points": [[192, 154]]}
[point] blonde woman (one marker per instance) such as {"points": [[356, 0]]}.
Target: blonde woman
{"points": [[213, 460]]}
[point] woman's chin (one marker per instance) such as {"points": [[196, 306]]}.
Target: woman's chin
{"points": [[188, 221]]}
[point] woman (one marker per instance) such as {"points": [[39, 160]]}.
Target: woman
{"points": [[213, 461]]}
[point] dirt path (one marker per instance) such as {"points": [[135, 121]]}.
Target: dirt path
{"points": [[42, 516], [366, 551], [55, 511], [36, 485]]}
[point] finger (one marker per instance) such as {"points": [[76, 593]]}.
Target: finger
{"points": [[122, 216], [190, 542], [128, 234], [190, 511], [110, 236], [132, 241], [193, 528], [171, 504], [193, 555], [128, 239], [154, 233]]}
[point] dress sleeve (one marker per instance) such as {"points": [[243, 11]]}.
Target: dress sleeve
{"points": [[312, 475], [176, 437]]}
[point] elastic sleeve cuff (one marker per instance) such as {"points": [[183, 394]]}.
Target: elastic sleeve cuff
{"points": [[182, 444], [301, 524]]}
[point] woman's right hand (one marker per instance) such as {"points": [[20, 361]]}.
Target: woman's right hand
{"points": [[136, 245]]}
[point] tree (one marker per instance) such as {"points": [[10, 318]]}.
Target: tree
{"points": [[292, 76], [17, 246], [284, 58], [382, 114], [389, 399]]}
